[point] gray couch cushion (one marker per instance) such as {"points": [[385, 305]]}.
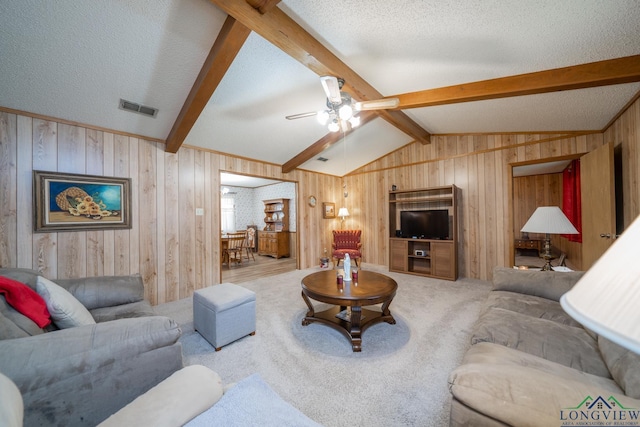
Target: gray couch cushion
{"points": [[624, 366], [14, 324], [529, 305], [105, 291], [8, 329], [135, 309], [519, 389], [567, 345], [546, 284]]}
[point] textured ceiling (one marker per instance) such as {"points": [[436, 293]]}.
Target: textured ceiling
{"points": [[74, 60]]}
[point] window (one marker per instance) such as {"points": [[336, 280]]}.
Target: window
{"points": [[227, 214]]}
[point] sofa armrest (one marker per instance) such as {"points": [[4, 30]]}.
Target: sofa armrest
{"points": [[27, 361], [520, 389], [546, 284], [11, 407], [87, 373], [105, 291], [174, 402]]}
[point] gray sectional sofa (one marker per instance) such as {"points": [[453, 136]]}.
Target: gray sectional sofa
{"points": [[80, 375], [530, 364]]}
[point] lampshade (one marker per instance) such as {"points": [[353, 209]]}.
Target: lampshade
{"points": [[323, 117], [343, 212], [334, 126], [549, 219], [607, 298], [345, 112]]}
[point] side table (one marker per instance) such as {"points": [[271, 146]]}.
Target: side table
{"points": [[534, 244]]}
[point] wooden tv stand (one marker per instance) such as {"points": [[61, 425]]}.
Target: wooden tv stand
{"points": [[425, 257]]}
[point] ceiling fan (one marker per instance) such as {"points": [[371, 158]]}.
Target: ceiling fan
{"points": [[341, 108]]}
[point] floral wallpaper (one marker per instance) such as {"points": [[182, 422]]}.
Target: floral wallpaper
{"points": [[249, 209]]}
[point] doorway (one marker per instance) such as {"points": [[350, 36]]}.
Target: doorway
{"points": [[599, 199], [534, 184], [243, 195]]}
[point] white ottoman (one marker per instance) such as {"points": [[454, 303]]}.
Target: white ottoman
{"points": [[224, 313]]}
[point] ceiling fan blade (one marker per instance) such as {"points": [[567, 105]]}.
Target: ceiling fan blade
{"points": [[301, 115], [331, 88], [377, 104]]}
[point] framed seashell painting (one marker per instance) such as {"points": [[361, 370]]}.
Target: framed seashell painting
{"points": [[74, 202]]}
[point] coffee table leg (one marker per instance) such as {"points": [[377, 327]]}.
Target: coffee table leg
{"points": [[386, 314], [311, 311], [356, 331]]}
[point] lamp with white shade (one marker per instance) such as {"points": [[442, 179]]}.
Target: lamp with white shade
{"points": [[606, 299], [548, 220], [342, 214]]}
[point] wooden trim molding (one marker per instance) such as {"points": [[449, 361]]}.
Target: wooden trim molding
{"points": [[83, 125], [474, 153]]}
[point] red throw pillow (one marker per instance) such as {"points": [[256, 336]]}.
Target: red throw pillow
{"points": [[25, 300]]}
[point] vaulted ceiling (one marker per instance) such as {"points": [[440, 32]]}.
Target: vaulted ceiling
{"points": [[225, 73]]}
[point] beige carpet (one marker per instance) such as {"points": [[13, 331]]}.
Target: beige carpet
{"points": [[399, 378]]}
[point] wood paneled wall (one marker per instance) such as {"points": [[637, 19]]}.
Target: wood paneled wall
{"points": [[177, 251], [174, 250], [480, 166]]}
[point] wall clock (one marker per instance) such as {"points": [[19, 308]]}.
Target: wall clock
{"points": [[312, 201]]}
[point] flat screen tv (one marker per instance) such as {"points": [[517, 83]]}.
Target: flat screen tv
{"points": [[432, 224]]}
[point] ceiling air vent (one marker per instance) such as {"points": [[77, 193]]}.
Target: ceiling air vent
{"points": [[322, 159], [137, 108]]}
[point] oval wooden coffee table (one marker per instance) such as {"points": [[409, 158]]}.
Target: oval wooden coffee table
{"points": [[348, 316]]}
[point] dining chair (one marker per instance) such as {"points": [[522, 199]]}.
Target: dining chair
{"points": [[249, 243], [235, 245]]}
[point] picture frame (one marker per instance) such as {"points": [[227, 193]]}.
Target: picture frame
{"points": [[328, 210], [76, 202]]}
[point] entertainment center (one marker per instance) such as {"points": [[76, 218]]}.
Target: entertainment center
{"points": [[423, 232]]}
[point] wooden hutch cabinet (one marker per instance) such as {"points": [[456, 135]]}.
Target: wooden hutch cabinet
{"points": [[423, 254], [274, 239]]}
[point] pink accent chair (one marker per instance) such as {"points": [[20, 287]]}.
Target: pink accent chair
{"points": [[346, 242]]}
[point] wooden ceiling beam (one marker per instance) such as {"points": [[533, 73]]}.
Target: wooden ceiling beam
{"points": [[282, 31], [263, 6], [227, 45], [323, 143], [594, 74]]}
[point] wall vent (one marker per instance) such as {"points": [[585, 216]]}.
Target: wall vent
{"points": [[138, 108], [322, 159]]}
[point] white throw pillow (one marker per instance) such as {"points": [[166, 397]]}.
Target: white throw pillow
{"points": [[65, 310]]}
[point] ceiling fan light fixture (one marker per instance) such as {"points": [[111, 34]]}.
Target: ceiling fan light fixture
{"points": [[323, 117], [341, 107], [345, 112]]}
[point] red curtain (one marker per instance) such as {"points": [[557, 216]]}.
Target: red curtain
{"points": [[571, 200]]}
